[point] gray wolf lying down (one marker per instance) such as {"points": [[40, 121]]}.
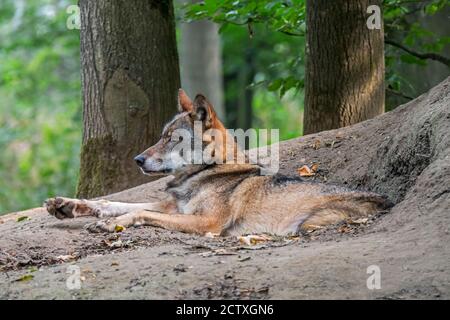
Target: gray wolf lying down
{"points": [[225, 199]]}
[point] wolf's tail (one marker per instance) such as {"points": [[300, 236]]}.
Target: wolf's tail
{"points": [[340, 207], [367, 202]]}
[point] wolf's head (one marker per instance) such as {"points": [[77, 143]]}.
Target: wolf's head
{"points": [[166, 155]]}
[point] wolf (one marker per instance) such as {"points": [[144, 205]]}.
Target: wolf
{"points": [[221, 198]]}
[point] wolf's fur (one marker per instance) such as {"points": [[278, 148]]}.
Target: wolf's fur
{"points": [[225, 199]]}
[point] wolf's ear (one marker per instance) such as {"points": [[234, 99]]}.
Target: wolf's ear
{"points": [[184, 102], [203, 110]]}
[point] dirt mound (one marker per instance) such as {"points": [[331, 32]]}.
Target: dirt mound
{"points": [[404, 154]]}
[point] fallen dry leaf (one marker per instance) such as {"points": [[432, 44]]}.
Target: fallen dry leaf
{"points": [[25, 277], [312, 227], [262, 290], [254, 239], [119, 228], [87, 272], [66, 257], [116, 244], [293, 238], [359, 221], [212, 235], [316, 144], [344, 229], [305, 171]]}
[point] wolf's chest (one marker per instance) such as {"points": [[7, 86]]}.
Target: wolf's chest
{"points": [[192, 200], [183, 196]]}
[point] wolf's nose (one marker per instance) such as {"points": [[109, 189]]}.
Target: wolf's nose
{"points": [[140, 160]]}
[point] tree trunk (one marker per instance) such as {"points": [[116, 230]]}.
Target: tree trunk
{"points": [[130, 77], [201, 62], [345, 65]]}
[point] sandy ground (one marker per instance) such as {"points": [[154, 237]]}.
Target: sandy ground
{"points": [[404, 154]]}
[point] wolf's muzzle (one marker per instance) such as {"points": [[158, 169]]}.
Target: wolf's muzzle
{"points": [[140, 160]]}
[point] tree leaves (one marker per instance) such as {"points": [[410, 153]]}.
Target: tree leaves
{"points": [[400, 25], [285, 84], [40, 117], [283, 16]]}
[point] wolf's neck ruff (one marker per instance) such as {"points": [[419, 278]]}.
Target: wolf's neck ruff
{"points": [[191, 171]]}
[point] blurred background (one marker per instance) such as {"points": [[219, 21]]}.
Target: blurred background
{"points": [[255, 76]]}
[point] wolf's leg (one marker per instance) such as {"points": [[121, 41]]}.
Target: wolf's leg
{"points": [[338, 208], [322, 218], [189, 223], [63, 208]]}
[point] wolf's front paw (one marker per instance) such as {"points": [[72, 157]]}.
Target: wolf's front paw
{"points": [[102, 226], [60, 207], [63, 208]]}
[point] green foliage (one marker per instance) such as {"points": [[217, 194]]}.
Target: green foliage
{"points": [[402, 27], [40, 113], [285, 17], [266, 36], [283, 114], [288, 17], [277, 60]]}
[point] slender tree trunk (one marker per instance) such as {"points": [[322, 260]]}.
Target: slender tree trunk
{"points": [[130, 77], [345, 65], [201, 61]]}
